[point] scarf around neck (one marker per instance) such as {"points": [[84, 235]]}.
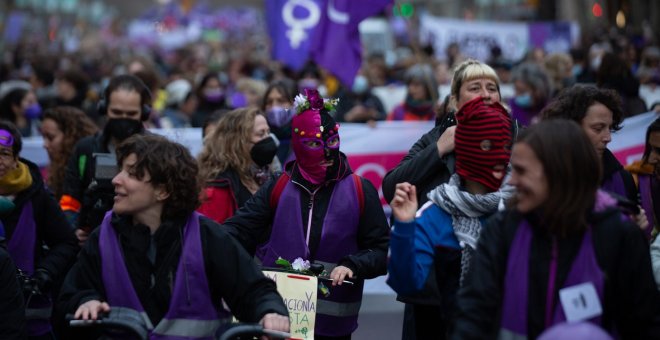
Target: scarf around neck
{"points": [[465, 210], [16, 180]]}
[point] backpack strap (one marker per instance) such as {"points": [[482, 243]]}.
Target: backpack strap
{"points": [[360, 193], [284, 179], [277, 190]]}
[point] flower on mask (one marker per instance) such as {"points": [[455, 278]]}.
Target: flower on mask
{"points": [[302, 103]]}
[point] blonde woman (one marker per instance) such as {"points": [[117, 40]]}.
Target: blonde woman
{"points": [[235, 162]]}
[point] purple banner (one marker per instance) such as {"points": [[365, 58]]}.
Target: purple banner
{"points": [[291, 25], [336, 45], [550, 36]]}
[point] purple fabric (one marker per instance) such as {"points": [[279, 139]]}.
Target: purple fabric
{"points": [[291, 26], [514, 309], [191, 296], [338, 239], [336, 44], [21, 247], [523, 116], [584, 269], [645, 192], [118, 286], [551, 36], [23, 241], [615, 184], [195, 304], [287, 239]]}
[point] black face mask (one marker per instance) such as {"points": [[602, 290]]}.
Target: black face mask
{"points": [[122, 128], [263, 152]]}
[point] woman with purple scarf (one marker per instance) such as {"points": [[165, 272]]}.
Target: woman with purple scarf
{"points": [[562, 251], [154, 254]]}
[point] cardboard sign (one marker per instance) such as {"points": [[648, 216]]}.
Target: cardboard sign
{"points": [[299, 294]]}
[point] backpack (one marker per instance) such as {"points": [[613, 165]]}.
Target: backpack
{"points": [[219, 202], [284, 179]]}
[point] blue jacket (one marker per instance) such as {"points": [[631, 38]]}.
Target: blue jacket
{"points": [[414, 247]]}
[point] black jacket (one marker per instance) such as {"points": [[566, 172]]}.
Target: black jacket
{"points": [[422, 166], [53, 229], [232, 274], [12, 308], [631, 301], [251, 225]]}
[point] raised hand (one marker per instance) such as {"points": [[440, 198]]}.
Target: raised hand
{"points": [[404, 203]]}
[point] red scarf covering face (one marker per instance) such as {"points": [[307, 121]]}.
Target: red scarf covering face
{"points": [[483, 142]]}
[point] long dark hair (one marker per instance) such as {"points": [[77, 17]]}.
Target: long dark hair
{"points": [[572, 170], [75, 125], [11, 99]]}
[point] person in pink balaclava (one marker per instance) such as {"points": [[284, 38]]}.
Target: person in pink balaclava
{"points": [[319, 211]]}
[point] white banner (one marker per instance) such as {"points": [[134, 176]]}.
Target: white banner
{"points": [[476, 38]]}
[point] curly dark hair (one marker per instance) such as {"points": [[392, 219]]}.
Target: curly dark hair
{"points": [[572, 103], [169, 164], [75, 125]]}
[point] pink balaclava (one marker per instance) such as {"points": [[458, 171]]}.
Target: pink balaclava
{"points": [[315, 138]]}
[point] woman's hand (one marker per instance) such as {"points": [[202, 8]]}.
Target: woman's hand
{"points": [[275, 322], [90, 310], [445, 143], [82, 236], [339, 274], [404, 203]]}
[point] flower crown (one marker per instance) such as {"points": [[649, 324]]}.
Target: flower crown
{"points": [[312, 100]]}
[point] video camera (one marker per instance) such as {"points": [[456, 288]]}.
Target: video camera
{"points": [[99, 195]]}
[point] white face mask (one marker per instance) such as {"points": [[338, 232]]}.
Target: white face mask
{"points": [[595, 63], [360, 84]]}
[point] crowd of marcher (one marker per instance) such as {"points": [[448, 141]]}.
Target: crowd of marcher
{"points": [[511, 219]]}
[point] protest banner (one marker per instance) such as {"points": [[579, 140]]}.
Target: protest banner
{"points": [[299, 293]]}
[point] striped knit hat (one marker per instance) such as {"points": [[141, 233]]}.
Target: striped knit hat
{"points": [[483, 142]]}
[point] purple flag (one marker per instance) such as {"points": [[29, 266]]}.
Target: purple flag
{"points": [[336, 44], [291, 25]]}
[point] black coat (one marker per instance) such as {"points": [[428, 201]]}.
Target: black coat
{"points": [[53, 229], [231, 273], [631, 301], [422, 166], [251, 225], [12, 308]]}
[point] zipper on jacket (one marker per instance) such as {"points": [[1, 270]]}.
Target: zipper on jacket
{"points": [[310, 209], [552, 278]]}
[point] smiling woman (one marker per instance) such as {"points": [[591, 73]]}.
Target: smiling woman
{"points": [[561, 235], [151, 229]]}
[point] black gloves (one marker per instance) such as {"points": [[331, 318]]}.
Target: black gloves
{"points": [[42, 280]]}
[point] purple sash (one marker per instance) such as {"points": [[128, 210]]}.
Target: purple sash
{"points": [[615, 184], [516, 283], [22, 247], [337, 313], [192, 314], [23, 241], [646, 194]]}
